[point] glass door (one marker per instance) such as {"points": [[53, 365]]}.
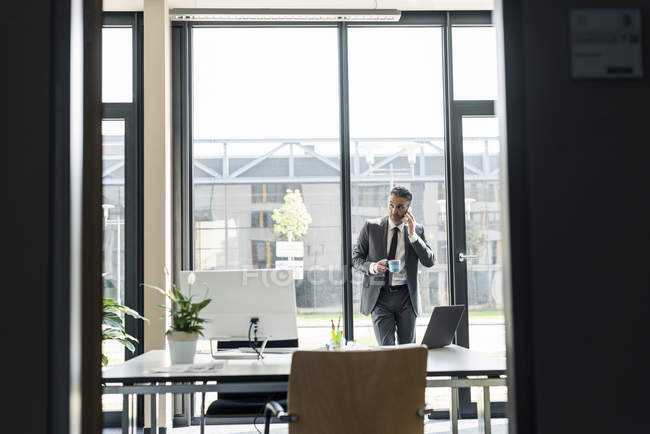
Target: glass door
{"points": [[113, 204], [120, 207], [122, 184], [397, 138], [474, 189], [484, 269], [476, 236], [113, 131]]}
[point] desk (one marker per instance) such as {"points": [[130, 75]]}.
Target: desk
{"points": [[147, 375]]}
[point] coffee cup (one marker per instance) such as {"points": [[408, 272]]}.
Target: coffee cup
{"points": [[393, 265]]}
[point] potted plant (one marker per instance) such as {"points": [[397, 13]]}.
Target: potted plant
{"points": [[113, 325], [186, 324]]}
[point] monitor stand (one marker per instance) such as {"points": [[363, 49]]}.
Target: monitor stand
{"points": [[236, 353]]}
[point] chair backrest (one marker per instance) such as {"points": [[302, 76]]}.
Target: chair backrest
{"points": [[376, 391]]}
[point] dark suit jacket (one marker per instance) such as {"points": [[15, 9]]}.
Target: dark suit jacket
{"points": [[371, 247]]}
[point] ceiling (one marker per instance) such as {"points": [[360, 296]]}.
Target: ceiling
{"points": [[403, 5]]}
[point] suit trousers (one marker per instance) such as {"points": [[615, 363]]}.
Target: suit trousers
{"points": [[394, 313]]}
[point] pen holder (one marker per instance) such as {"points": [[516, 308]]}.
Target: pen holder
{"points": [[336, 342]]}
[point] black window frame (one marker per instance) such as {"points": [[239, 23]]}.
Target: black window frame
{"points": [[182, 152], [132, 113]]}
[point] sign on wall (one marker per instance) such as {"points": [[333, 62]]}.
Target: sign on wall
{"points": [[606, 43]]}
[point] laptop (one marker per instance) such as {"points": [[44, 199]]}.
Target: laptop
{"points": [[442, 325]]}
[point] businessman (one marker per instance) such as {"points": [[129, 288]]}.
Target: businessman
{"points": [[392, 299]]}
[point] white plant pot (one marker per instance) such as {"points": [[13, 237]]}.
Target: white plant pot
{"points": [[182, 347]]}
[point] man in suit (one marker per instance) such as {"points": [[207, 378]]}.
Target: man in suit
{"points": [[392, 299]]}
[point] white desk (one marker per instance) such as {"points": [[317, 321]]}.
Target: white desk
{"points": [[151, 374]]}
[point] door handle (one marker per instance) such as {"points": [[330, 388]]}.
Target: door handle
{"points": [[462, 257]]}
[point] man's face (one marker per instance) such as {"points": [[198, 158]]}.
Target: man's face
{"points": [[397, 208]]}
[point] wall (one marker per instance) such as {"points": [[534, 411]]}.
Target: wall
{"points": [[157, 183], [578, 160], [26, 163], [51, 180]]}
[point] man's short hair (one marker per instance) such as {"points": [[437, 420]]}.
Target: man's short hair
{"points": [[400, 191]]}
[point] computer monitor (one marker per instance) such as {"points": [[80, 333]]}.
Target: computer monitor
{"points": [[239, 295]]}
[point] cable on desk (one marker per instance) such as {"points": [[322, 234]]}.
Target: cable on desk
{"points": [[253, 343]]}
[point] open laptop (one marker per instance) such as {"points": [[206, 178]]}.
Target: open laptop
{"points": [[442, 325]]}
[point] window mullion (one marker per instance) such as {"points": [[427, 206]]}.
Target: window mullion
{"points": [[346, 201]]}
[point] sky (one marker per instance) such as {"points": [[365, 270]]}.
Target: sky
{"points": [[117, 64], [270, 83]]}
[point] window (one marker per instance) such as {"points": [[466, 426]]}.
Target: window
{"points": [[117, 65], [396, 138], [271, 193], [266, 128], [263, 254], [442, 248], [114, 211], [261, 219], [475, 63], [121, 180], [371, 196], [274, 117], [265, 124]]}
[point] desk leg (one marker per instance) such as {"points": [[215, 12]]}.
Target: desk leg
{"points": [[129, 414], [203, 411], [134, 413], [154, 412], [483, 410], [453, 411], [187, 409], [125, 413]]}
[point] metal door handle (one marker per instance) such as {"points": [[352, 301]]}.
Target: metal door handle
{"points": [[462, 257]]}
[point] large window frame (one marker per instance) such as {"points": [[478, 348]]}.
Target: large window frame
{"points": [[132, 114], [183, 176]]}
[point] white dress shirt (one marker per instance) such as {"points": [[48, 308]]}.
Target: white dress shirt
{"points": [[400, 253]]}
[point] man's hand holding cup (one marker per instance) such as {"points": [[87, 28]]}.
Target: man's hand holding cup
{"points": [[381, 266]]}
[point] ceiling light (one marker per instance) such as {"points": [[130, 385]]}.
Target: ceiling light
{"points": [[299, 15]]}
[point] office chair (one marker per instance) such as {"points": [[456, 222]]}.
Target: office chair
{"points": [[378, 391], [246, 405]]}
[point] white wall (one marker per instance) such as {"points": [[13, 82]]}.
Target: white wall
{"points": [[157, 178]]}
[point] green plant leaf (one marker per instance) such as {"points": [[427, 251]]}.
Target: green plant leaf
{"points": [[131, 312], [113, 324], [183, 314], [113, 321], [114, 335], [179, 298], [204, 303], [131, 338], [146, 285], [127, 344]]}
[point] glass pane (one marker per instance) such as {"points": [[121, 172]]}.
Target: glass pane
{"points": [[475, 63], [397, 138], [117, 64], [481, 158], [265, 125], [113, 252]]}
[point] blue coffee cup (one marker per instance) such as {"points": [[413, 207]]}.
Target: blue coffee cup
{"points": [[393, 265]]}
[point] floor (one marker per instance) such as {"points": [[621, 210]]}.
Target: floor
{"points": [[499, 426]]}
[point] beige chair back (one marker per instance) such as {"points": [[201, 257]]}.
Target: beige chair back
{"points": [[374, 392]]}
